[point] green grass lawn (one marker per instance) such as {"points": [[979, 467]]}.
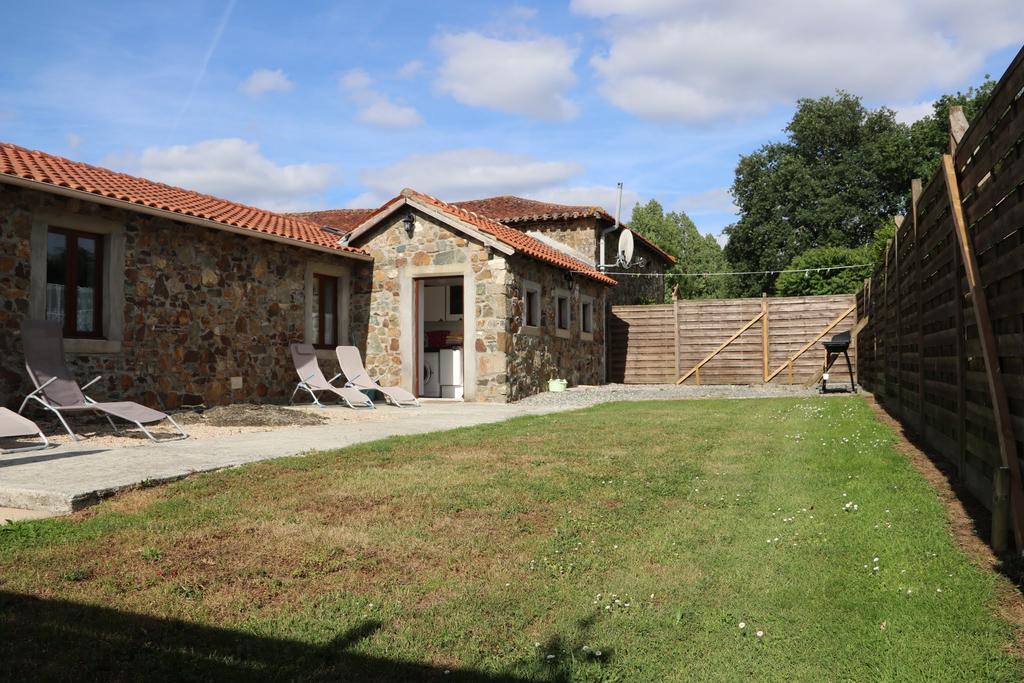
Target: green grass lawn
{"points": [[644, 541]]}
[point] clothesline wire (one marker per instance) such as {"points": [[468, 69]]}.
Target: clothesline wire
{"points": [[737, 272]]}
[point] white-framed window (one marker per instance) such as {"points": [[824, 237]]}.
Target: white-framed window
{"points": [[563, 313], [531, 306], [587, 317]]}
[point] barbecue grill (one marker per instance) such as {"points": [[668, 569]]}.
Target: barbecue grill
{"points": [[838, 344]]}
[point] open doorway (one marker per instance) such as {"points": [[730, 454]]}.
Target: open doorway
{"points": [[440, 337]]}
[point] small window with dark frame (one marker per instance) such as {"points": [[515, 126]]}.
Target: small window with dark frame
{"points": [[562, 315], [587, 316], [531, 305], [325, 311], [74, 281]]}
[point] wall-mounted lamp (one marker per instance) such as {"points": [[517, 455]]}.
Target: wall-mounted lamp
{"points": [[410, 224]]}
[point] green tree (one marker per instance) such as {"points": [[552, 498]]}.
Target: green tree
{"points": [[842, 171], [930, 135], [695, 253], [831, 277]]}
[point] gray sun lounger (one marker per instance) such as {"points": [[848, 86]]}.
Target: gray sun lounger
{"points": [[312, 379], [13, 425], [57, 391], [351, 363]]}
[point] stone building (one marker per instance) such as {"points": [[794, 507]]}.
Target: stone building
{"points": [[178, 298], [581, 229], [531, 312], [174, 297]]}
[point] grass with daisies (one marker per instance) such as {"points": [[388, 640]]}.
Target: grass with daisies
{"points": [[774, 539]]}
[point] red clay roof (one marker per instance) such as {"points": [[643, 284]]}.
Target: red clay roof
{"points": [[345, 220], [516, 239], [510, 210], [60, 172]]}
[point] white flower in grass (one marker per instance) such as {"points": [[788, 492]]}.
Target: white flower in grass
{"points": [[597, 653], [743, 625], [760, 634], [550, 657]]}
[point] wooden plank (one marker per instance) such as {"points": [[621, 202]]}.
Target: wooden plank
{"points": [[811, 343], [990, 353], [714, 353]]}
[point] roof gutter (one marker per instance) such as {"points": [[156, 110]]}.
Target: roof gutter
{"points": [[172, 215]]}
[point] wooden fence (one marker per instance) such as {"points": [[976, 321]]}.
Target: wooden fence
{"points": [[943, 343], [774, 338]]}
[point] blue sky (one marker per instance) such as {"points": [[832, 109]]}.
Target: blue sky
{"points": [[325, 104]]}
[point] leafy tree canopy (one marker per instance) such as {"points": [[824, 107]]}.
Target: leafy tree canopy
{"points": [[695, 253], [827, 281], [842, 171], [930, 135]]}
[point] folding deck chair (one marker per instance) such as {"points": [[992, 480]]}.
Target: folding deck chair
{"points": [[57, 391], [351, 363], [312, 379], [13, 425]]}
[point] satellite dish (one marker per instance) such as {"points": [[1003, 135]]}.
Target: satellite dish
{"points": [[625, 247]]}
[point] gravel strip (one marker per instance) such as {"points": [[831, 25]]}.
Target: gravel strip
{"points": [[592, 395]]}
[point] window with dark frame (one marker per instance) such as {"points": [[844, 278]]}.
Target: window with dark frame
{"points": [[74, 281], [562, 312], [587, 316], [325, 317], [531, 315]]}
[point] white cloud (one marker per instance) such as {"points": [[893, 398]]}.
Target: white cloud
{"points": [[411, 69], [355, 79], [909, 113], [234, 169], [262, 81], [529, 76], [74, 141], [459, 174], [385, 113], [715, 200], [376, 108], [668, 60]]}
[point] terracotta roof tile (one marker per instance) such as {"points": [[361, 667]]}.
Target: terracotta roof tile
{"points": [[345, 220], [510, 210], [516, 239], [53, 170]]}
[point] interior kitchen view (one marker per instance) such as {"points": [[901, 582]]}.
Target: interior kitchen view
{"points": [[442, 337]]}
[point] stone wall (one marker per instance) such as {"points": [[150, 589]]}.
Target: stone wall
{"points": [[579, 233], [638, 286], [200, 306], [534, 357], [582, 235], [385, 302]]}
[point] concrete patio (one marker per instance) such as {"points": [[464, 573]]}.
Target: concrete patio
{"points": [[70, 477]]}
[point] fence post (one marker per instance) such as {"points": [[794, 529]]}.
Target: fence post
{"points": [[675, 332], [764, 335], [916, 188], [899, 320], [887, 337], [1000, 507], [990, 352]]}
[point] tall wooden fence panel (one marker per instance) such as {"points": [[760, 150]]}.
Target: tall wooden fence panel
{"points": [[921, 348], [661, 343]]}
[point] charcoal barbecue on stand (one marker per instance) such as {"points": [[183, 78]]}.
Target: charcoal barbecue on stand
{"points": [[838, 344]]}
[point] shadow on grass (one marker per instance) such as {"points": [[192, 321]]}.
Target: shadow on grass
{"points": [[976, 515], [46, 639]]}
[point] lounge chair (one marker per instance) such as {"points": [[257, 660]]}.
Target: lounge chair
{"points": [[57, 391], [13, 425], [312, 379], [352, 365]]}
